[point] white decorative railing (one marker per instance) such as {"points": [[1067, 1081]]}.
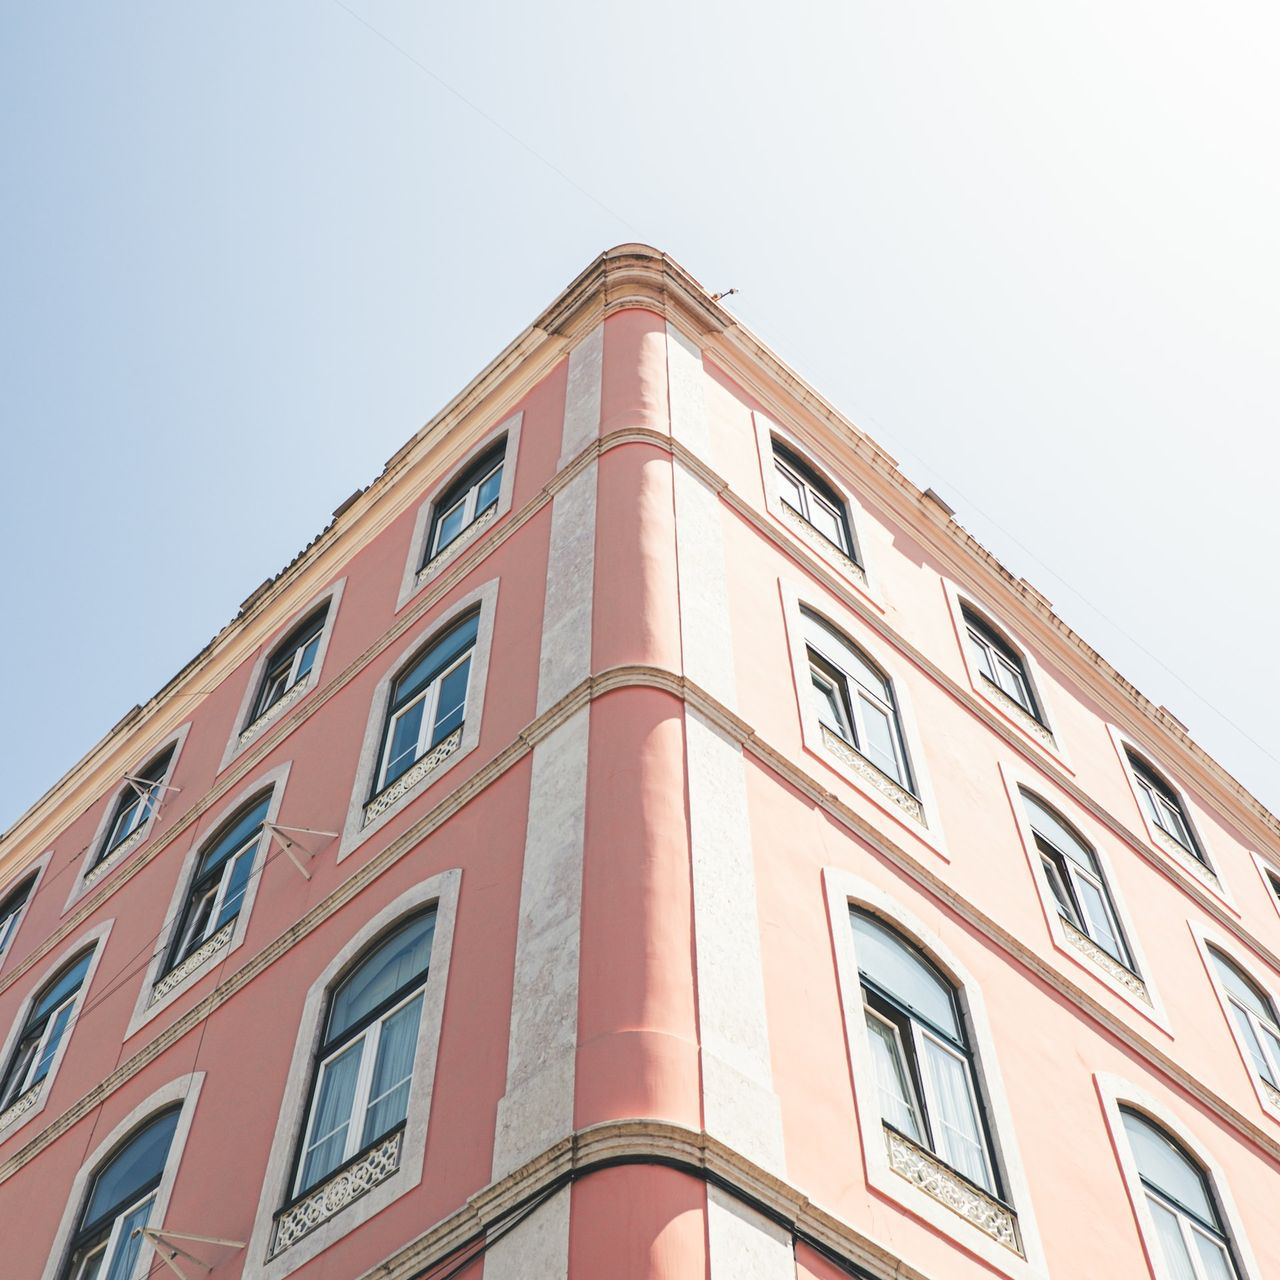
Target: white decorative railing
{"points": [[181, 972], [878, 779], [1017, 711], [1187, 858], [130, 842], [412, 776], [1273, 1094], [276, 709], [1106, 962], [924, 1170], [20, 1105], [824, 544], [467, 535], [331, 1197]]}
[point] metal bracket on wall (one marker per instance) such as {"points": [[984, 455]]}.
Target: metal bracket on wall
{"points": [[161, 1240], [288, 845]]}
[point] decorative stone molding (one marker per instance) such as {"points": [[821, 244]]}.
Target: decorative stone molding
{"points": [[825, 545], [923, 1169], [20, 1105], [878, 779], [1187, 858], [130, 842], [1273, 1096], [411, 777], [331, 1197], [276, 709], [1106, 962], [1015, 709], [181, 972], [469, 534]]}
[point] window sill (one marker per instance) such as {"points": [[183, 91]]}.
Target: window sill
{"points": [[360, 1174], [192, 964], [20, 1106], [1109, 965], [412, 776], [467, 536], [1272, 1094], [822, 544], [274, 711], [924, 1170], [1017, 712], [880, 780], [117, 855], [1187, 859]]}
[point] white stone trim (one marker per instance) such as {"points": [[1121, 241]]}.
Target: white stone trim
{"points": [[843, 889], [95, 938], [148, 1004], [88, 875], [582, 396], [857, 572], [1041, 732], [743, 1244], [1114, 1091], [38, 868], [1098, 838], [357, 829], [441, 889], [416, 574], [924, 822], [1266, 869], [185, 1089], [1205, 936], [1210, 876], [686, 377], [242, 731]]}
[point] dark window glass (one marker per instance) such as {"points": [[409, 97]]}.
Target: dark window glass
{"points": [[136, 803], [473, 493], [291, 662], [43, 1031], [11, 909]]}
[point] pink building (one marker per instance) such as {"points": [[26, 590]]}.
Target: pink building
{"points": [[642, 836]]}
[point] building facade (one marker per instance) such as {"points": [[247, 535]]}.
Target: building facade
{"points": [[642, 836]]}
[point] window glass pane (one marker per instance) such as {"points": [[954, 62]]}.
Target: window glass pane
{"points": [[789, 491], [139, 1163], [1100, 927], [1272, 1042], [1066, 905], [15, 1079], [1170, 818], [1166, 1168], [879, 744], [308, 658], [452, 705], [234, 836], [57, 1029], [1213, 1258], [402, 957], [830, 703], [957, 1136], [66, 984], [439, 656], [331, 1116], [127, 1244], [237, 883], [450, 525], [90, 1265], [900, 971], [404, 740], [1046, 823], [193, 930], [825, 519], [1172, 1243], [982, 655], [1252, 1045], [1011, 681], [389, 1092], [1240, 988], [891, 1076], [489, 488]]}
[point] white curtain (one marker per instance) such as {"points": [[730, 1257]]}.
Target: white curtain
{"points": [[331, 1115], [389, 1093]]}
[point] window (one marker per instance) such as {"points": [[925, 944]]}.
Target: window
{"points": [[43, 1032], [1191, 1238], [811, 498], [924, 1067], [428, 702], [466, 499], [854, 701], [1163, 807], [365, 1063], [222, 875], [1000, 664], [108, 1236], [11, 911], [1255, 1019], [136, 804], [291, 662], [1072, 869]]}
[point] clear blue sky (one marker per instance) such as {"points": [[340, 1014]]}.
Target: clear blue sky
{"points": [[248, 249]]}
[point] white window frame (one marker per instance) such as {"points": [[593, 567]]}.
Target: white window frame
{"points": [[1114, 1092], [1270, 874], [145, 1008], [96, 939], [185, 1090], [244, 732], [356, 830], [844, 890], [431, 696], [468, 502], [33, 871], [442, 891], [420, 569]]}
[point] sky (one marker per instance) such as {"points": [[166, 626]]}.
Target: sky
{"points": [[248, 250]]}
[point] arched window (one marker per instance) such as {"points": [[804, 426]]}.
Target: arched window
{"points": [[1163, 806], [473, 493], [11, 911], [291, 662], [1255, 1018], [855, 700], [364, 1065], [108, 1235], [136, 803], [428, 701], [1191, 1237], [924, 1065], [813, 499], [46, 1025], [222, 876], [999, 663], [1079, 888]]}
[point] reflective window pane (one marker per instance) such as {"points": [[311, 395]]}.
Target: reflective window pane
{"points": [[955, 1125], [452, 704], [392, 1072], [450, 525], [1100, 929], [1172, 1243], [1213, 1257], [488, 492], [404, 741], [331, 1117], [139, 1162], [896, 1098], [129, 1245], [402, 957], [879, 744], [897, 969], [1167, 1168], [789, 491]]}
